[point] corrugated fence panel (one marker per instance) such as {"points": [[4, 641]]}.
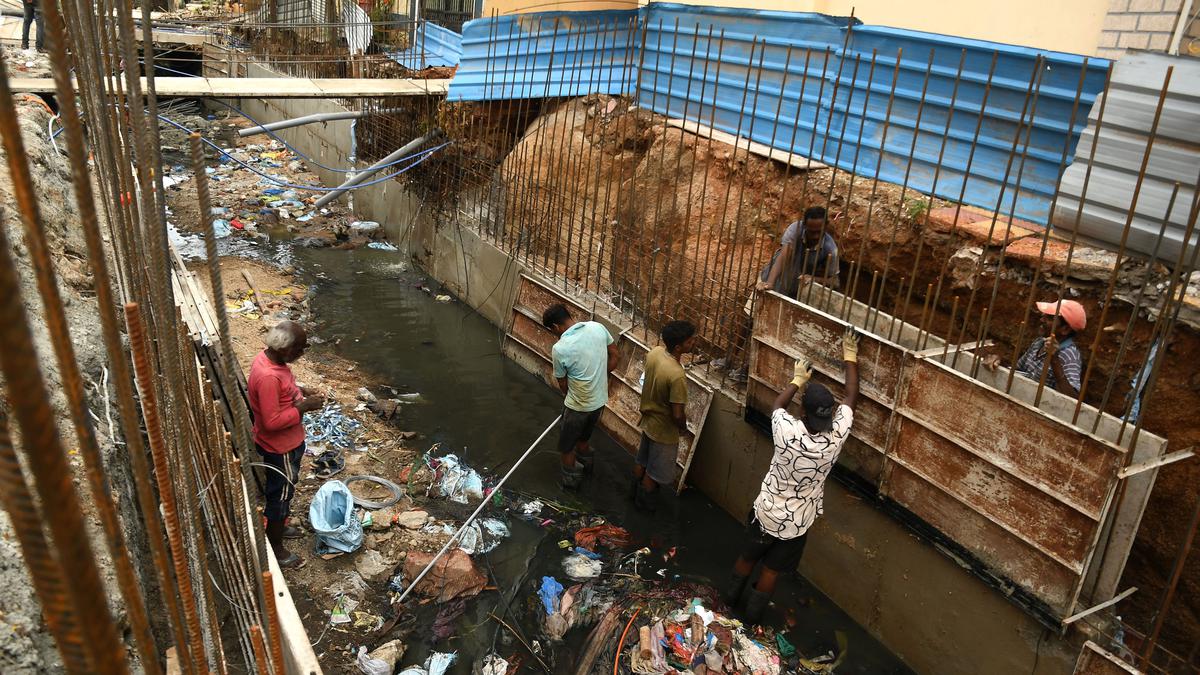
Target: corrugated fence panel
{"points": [[1124, 136], [434, 46], [545, 55], [808, 84]]}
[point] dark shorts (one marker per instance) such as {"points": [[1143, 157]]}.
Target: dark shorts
{"points": [[576, 427], [658, 459], [281, 479], [779, 555]]}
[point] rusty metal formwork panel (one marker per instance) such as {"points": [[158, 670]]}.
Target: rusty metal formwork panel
{"points": [[529, 344], [1095, 660], [1018, 494]]}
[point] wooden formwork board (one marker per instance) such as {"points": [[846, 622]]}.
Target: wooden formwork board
{"points": [[1096, 660], [529, 344], [1021, 493]]}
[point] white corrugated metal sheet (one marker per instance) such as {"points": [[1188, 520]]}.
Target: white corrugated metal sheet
{"points": [[1137, 82]]}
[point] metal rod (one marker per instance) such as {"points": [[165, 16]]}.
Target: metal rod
{"points": [[375, 168]]}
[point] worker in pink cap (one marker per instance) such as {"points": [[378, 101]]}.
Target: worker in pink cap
{"points": [[1060, 322]]}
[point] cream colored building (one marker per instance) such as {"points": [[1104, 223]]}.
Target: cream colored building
{"points": [[1093, 27]]}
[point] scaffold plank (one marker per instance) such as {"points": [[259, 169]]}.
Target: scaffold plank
{"points": [[268, 87]]}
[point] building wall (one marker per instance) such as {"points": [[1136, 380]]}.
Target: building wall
{"points": [[1138, 24]]}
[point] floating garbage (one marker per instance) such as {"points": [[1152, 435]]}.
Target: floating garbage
{"points": [[382, 246], [581, 568], [549, 593], [331, 425], [364, 227], [455, 481], [221, 228], [492, 664], [482, 536], [381, 661]]}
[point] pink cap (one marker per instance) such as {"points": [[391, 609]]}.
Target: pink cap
{"points": [[1072, 312]]}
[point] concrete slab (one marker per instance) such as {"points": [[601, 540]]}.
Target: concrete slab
{"points": [[267, 87], [976, 224]]}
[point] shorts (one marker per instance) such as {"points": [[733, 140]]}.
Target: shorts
{"points": [[659, 460], [576, 427], [281, 479], [778, 555]]}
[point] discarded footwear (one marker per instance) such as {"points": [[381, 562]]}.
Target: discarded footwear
{"points": [[756, 604], [646, 500], [328, 463], [572, 477], [733, 592]]}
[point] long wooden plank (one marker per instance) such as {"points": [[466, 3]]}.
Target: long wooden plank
{"points": [[266, 87]]}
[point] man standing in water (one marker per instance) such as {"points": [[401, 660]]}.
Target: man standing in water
{"points": [[278, 404], [664, 399], [792, 493], [583, 357]]}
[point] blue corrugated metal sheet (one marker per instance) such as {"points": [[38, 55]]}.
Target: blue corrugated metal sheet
{"points": [[434, 46], [824, 100], [547, 54]]}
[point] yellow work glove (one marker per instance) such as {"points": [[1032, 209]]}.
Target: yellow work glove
{"points": [[850, 345], [802, 372]]}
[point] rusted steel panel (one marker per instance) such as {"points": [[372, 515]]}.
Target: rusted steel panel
{"points": [[1034, 517], [1062, 461], [533, 335], [1095, 660], [796, 329], [994, 546], [535, 297]]}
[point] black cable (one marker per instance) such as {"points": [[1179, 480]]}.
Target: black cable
{"points": [[1037, 652]]}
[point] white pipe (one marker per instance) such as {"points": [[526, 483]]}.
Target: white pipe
{"points": [[374, 168], [309, 119], [1185, 21], [472, 517]]}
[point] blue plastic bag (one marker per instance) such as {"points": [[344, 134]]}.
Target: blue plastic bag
{"points": [[549, 594], [331, 515]]}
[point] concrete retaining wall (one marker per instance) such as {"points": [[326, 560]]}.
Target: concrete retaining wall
{"points": [[921, 604]]}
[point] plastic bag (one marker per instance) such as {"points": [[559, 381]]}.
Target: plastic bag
{"points": [[493, 664], [438, 663], [381, 661], [549, 594], [458, 483], [580, 567], [332, 517]]}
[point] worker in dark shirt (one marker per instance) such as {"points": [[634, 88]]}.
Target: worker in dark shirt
{"points": [[1059, 328], [807, 253]]}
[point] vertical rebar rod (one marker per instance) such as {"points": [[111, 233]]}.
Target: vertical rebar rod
{"points": [[275, 640], [46, 459], [667, 246], [166, 491]]}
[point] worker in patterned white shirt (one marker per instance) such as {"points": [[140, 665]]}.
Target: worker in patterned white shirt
{"points": [[1060, 322], [793, 490]]}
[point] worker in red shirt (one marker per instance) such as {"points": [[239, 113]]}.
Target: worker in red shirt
{"points": [[278, 404]]}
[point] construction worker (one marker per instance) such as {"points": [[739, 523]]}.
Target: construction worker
{"points": [[278, 404], [817, 259], [1057, 344], [582, 359], [664, 418], [793, 490]]}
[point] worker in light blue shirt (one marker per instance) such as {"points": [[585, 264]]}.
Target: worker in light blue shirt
{"points": [[582, 358]]}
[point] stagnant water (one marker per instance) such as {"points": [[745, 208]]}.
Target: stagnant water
{"points": [[487, 409]]}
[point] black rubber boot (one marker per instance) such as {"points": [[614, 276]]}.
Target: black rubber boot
{"points": [[733, 592], [275, 537], [585, 459], [572, 478], [646, 500], [290, 532], [756, 604]]}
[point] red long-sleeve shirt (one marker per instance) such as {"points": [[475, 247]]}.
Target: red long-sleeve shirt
{"points": [[273, 394]]}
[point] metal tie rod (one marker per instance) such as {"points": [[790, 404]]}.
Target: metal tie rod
{"points": [[471, 518], [309, 119], [374, 168]]}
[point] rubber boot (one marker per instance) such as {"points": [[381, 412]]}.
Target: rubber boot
{"points": [[291, 532], [585, 459], [756, 604], [645, 500], [572, 478], [275, 537], [733, 592]]}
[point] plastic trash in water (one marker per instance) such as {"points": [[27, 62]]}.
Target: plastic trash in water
{"points": [[439, 662], [459, 483], [549, 593], [493, 664], [580, 567], [382, 246], [221, 228], [587, 554]]}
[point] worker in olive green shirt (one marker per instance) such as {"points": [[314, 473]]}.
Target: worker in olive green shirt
{"points": [[664, 399]]}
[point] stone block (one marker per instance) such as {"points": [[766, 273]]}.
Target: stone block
{"points": [[1109, 39], [1160, 41], [1134, 40], [1145, 5], [1157, 23], [1119, 22], [1107, 53]]}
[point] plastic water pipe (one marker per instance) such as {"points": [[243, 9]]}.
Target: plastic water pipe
{"points": [[370, 171], [309, 119]]}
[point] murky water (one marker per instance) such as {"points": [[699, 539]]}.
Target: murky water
{"points": [[488, 410]]}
